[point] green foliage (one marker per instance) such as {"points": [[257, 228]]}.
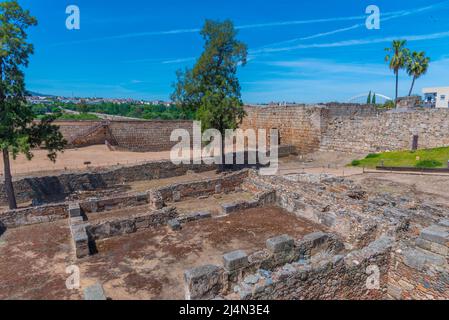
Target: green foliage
{"points": [[373, 156], [397, 58], [389, 104], [77, 117], [211, 89], [429, 164], [373, 100], [368, 100], [133, 110], [417, 65], [426, 158], [18, 132]]}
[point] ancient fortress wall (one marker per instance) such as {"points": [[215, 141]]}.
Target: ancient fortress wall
{"points": [[351, 128], [298, 126], [139, 136], [327, 127], [386, 131]]}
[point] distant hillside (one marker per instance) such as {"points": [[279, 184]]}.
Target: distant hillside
{"points": [[32, 93]]}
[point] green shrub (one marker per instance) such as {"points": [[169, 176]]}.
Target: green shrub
{"points": [[429, 164], [356, 163], [373, 156]]}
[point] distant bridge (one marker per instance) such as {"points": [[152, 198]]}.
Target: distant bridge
{"points": [[365, 96]]}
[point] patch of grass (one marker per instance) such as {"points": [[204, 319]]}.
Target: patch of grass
{"points": [[429, 164], [426, 158], [78, 117], [373, 156]]}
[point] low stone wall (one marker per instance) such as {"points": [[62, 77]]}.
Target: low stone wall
{"points": [[33, 215], [261, 199], [57, 188], [113, 203], [114, 227], [289, 270], [227, 183], [206, 282]]}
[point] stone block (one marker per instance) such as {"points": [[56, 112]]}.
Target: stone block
{"points": [[95, 292], [156, 200], [235, 260], [80, 240], [218, 188], [436, 234], [205, 282], [444, 223], [281, 243], [74, 210], [174, 224], [176, 196]]}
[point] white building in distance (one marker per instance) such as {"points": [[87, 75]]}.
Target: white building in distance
{"points": [[437, 97]]}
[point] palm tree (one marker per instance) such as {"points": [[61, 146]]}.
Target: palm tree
{"points": [[397, 57], [417, 65]]}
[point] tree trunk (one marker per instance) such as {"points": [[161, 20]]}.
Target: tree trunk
{"points": [[411, 88], [9, 188], [397, 86]]}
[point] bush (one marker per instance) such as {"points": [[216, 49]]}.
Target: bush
{"points": [[356, 163], [429, 164], [373, 156]]}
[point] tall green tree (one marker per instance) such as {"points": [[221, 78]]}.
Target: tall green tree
{"points": [[417, 65], [211, 89], [374, 99], [18, 132], [368, 100], [397, 58]]}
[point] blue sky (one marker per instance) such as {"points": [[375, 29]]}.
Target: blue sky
{"points": [[303, 51]]}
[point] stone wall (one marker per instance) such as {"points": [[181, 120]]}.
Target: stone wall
{"points": [[140, 136], [33, 215], [298, 126], [386, 131], [351, 128], [57, 188], [114, 227], [311, 268]]}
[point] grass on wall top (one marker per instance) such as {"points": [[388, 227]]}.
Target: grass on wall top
{"points": [[426, 158]]}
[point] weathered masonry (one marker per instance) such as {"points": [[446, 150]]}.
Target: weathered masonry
{"points": [[351, 128], [136, 135]]}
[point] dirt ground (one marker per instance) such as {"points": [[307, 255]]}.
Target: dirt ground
{"points": [[425, 187], [144, 265], [74, 159]]}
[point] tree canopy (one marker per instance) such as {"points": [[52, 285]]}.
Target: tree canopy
{"points": [[211, 88], [18, 132]]}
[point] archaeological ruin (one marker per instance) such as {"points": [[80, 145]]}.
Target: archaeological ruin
{"points": [[162, 231]]}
